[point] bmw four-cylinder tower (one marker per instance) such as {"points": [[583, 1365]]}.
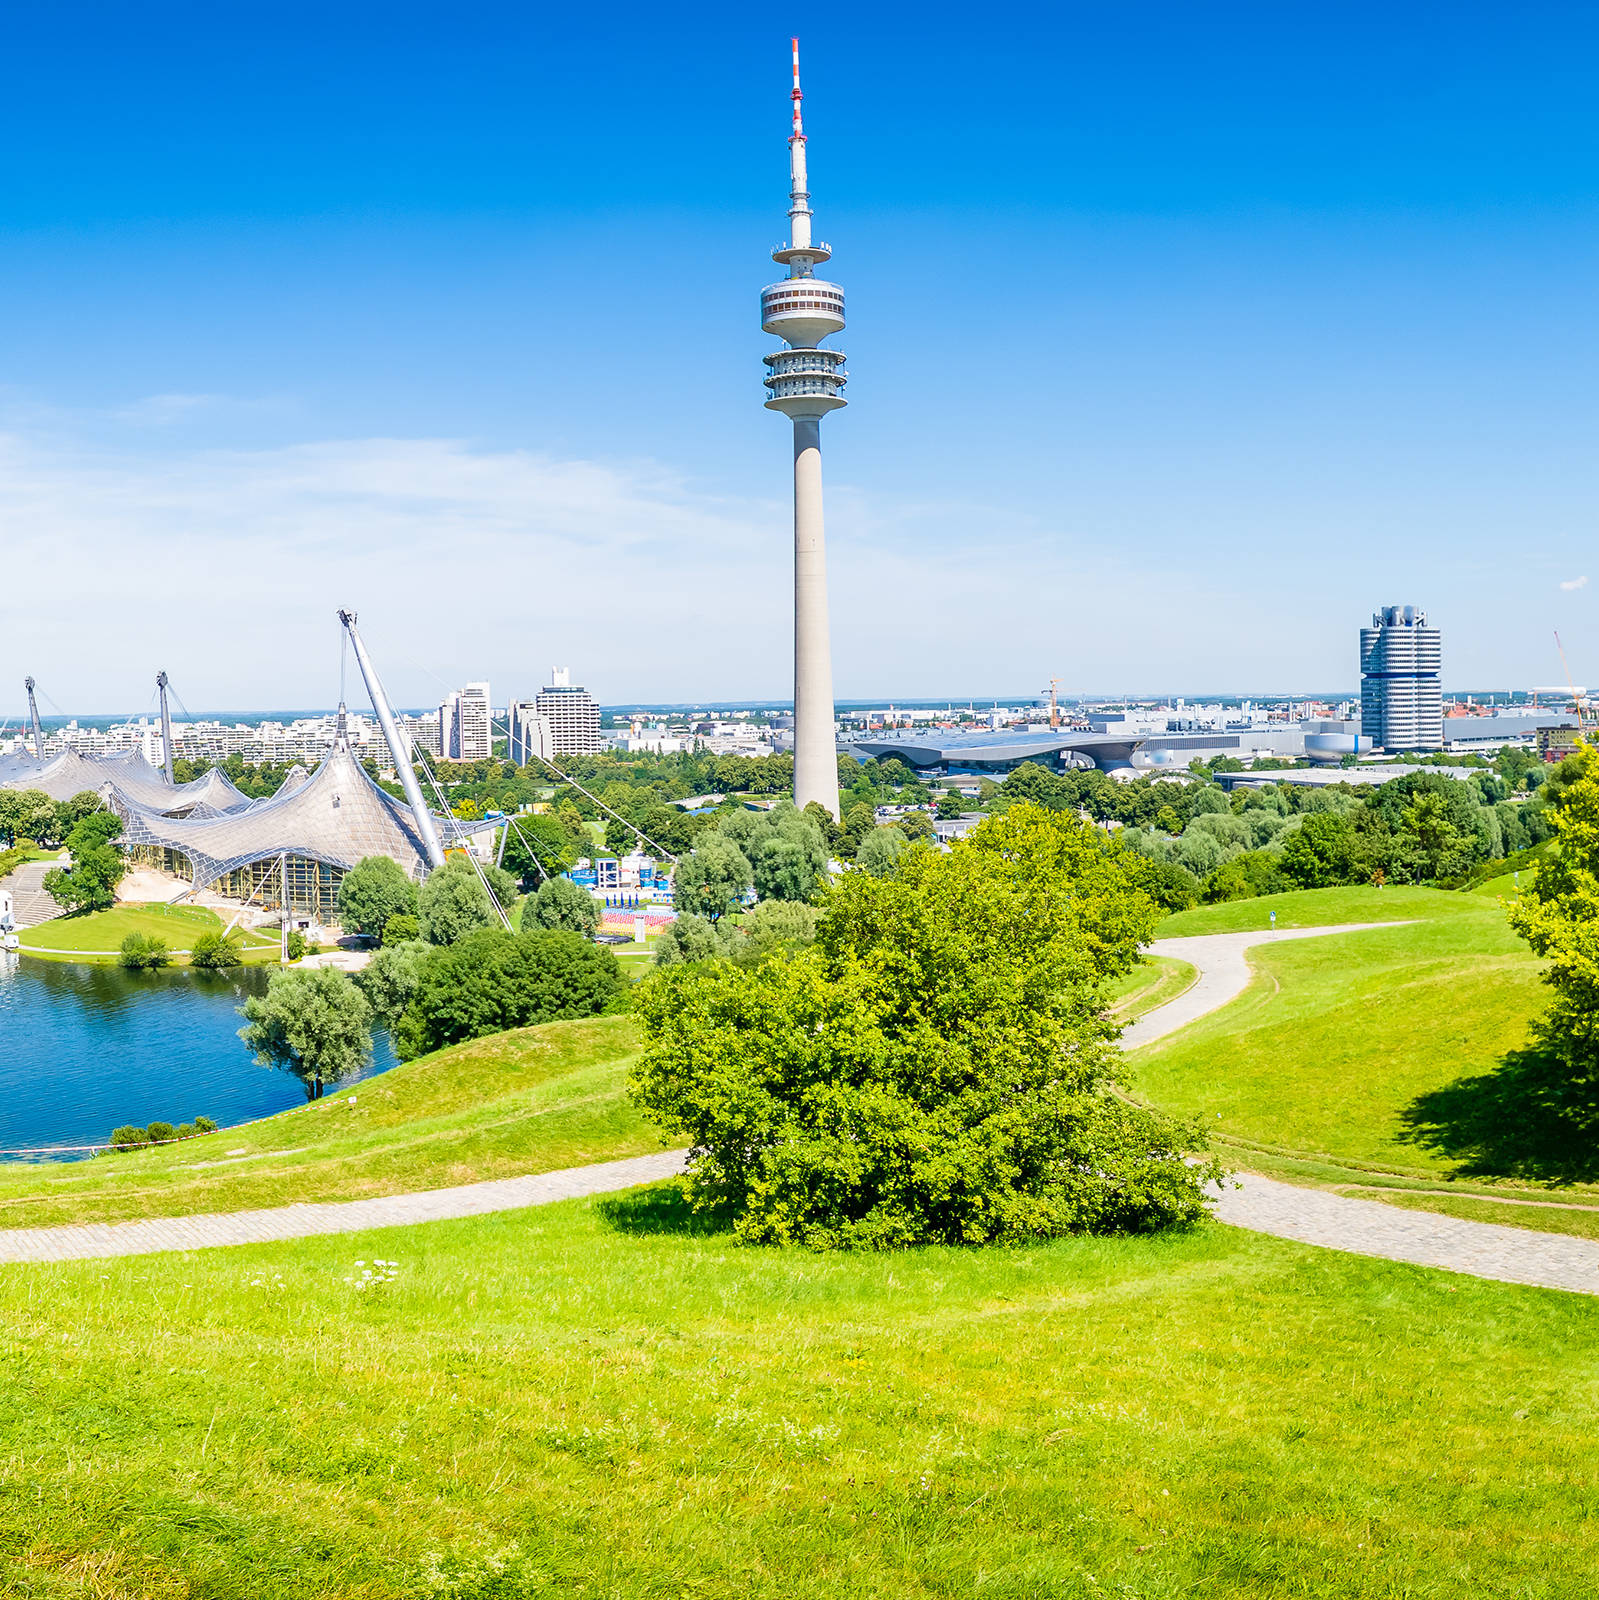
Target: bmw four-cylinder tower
{"points": [[805, 382]]}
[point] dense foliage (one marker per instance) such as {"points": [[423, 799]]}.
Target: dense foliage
{"points": [[372, 892], [937, 1067], [453, 903], [90, 883], [314, 1022], [491, 980], [560, 903], [1558, 915], [143, 952], [1424, 827], [215, 952]]}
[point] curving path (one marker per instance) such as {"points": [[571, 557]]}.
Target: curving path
{"points": [[1311, 1216]]}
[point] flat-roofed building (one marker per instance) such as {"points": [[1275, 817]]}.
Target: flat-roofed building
{"points": [[573, 716]]}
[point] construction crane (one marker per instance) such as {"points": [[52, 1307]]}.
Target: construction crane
{"points": [[1054, 703], [1586, 707]]}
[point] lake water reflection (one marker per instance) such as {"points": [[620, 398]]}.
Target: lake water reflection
{"points": [[84, 1049]]}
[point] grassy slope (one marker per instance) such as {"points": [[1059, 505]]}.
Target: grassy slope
{"points": [[1315, 908], [1337, 1036], [1154, 981], [528, 1101], [100, 933], [621, 1412]]}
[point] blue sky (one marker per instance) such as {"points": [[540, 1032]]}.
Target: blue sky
{"points": [[1181, 338]]}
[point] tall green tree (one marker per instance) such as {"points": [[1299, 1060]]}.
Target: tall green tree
{"points": [[560, 903], [314, 1022], [375, 889], [713, 880], [453, 903]]}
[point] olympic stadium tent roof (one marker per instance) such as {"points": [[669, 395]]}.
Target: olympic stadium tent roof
{"points": [[68, 774], [337, 816]]}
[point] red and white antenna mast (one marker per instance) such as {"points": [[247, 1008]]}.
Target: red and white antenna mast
{"points": [[796, 97]]}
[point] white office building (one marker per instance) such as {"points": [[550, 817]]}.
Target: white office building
{"points": [[1401, 688]]}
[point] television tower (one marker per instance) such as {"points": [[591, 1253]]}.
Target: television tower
{"points": [[804, 383]]}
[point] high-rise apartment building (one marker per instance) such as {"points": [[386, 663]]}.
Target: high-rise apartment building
{"points": [[465, 727], [570, 711], [531, 737], [1401, 690]]}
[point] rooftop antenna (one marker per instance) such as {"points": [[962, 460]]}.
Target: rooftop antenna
{"points": [[33, 714], [402, 756], [161, 681]]}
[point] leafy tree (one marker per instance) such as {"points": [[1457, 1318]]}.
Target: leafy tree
{"points": [[375, 889], [400, 930], [915, 825], [452, 903], [692, 938], [1030, 781], [951, 803], [141, 952], [28, 814], [773, 928], [1255, 872], [215, 952], [1172, 887], [1322, 851], [561, 904], [90, 883], [1439, 847], [937, 1067], [313, 1021], [1558, 915], [880, 851], [713, 881], [390, 979], [491, 980], [830, 830], [551, 844]]}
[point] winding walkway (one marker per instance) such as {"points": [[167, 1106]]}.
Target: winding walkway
{"points": [[1311, 1216]]}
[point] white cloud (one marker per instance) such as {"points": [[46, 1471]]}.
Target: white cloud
{"points": [[226, 567], [1575, 583]]}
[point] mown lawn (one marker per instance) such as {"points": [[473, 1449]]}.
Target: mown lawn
{"points": [[1154, 981], [1316, 908], [590, 1401], [1330, 1049], [528, 1101], [99, 934]]}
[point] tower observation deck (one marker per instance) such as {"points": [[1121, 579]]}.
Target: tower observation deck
{"points": [[805, 382]]}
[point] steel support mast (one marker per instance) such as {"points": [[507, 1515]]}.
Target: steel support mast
{"points": [[33, 716], [402, 757], [161, 681]]}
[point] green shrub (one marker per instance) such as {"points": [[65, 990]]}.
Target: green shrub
{"points": [[185, 1130], [491, 980], [215, 951], [126, 1138], [142, 952], [297, 944], [401, 929], [204, 1125], [160, 1131], [937, 1068]]}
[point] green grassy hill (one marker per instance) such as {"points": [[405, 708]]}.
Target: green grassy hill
{"points": [[1391, 1057], [528, 1101]]}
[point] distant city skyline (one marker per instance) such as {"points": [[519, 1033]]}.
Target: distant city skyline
{"points": [[1252, 320]]}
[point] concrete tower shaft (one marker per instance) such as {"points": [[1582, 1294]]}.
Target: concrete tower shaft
{"points": [[805, 382]]}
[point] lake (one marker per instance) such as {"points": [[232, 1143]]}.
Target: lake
{"points": [[85, 1049]]}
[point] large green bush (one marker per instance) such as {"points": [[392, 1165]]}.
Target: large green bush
{"points": [[938, 1067]]}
